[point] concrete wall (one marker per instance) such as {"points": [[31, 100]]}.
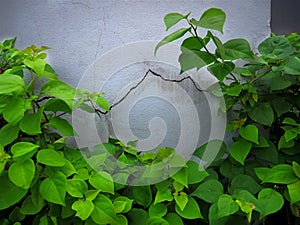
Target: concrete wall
{"points": [[82, 32]]}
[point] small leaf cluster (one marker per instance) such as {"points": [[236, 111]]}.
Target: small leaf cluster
{"points": [[259, 173]]}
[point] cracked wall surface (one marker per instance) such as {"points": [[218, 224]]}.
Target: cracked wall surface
{"points": [[82, 31]]}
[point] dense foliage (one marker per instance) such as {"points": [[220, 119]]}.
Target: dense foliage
{"points": [[44, 181]]}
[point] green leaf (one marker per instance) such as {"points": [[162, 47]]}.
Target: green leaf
{"points": [[57, 105], [163, 195], [23, 150], [14, 111], [37, 65], [10, 193], [194, 59], [290, 121], [262, 113], [122, 204], [121, 220], [143, 195], [8, 133], [137, 216], [230, 169], [59, 89], [171, 37], [156, 221], [4, 157], [244, 182], [294, 192], [196, 173], [83, 208], [240, 149], [181, 201], [193, 44], [31, 123], [209, 191], [281, 105], [291, 66], [269, 154], [237, 49], [269, 201], [234, 90], [279, 82], [53, 189], [285, 144], [221, 70], [103, 103], [102, 181], [279, 174], [104, 212], [277, 47], [51, 157], [22, 173], [76, 188], [181, 176], [62, 125], [191, 210], [250, 133], [226, 206], [212, 18], [172, 18], [296, 168], [33, 203], [157, 210], [10, 83], [173, 218]]}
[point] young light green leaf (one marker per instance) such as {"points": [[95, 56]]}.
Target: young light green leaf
{"points": [[51, 157], [8, 133], [61, 125], [249, 133], [31, 123], [103, 103], [122, 204], [191, 210], [23, 150], [104, 211], [212, 18], [240, 149], [294, 192], [181, 201], [173, 18], [53, 189], [10, 83], [296, 168], [33, 203], [157, 210], [76, 188], [102, 181], [83, 208], [22, 173], [171, 37], [37, 65]]}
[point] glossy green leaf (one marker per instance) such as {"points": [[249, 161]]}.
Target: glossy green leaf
{"points": [[122, 204], [14, 111], [8, 133], [156, 220], [294, 192], [51, 157], [262, 113], [291, 66], [104, 211], [37, 65], [172, 18], [163, 195], [181, 176], [193, 44], [10, 83], [76, 188], [33, 203], [143, 195], [173, 218], [240, 149], [221, 70], [53, 189], [137, 216], [226, 206], [234, 90], [181, 201], [194, 59], [212, 18], [22, 173], [31, 123], [196, 173], [157, 210], [172, 37], [23, 150], [209, 191], [244, 182], [61, 125], [103, 103], [102, 181], [237, 49], [83, 208], [10, 193], [269, 154], [296, 168], [249, 133], [57, 105], [191, 210], [279, 174], [269, 201]]}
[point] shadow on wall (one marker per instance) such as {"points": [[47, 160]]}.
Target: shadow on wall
{"points": [[285, 16]]}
